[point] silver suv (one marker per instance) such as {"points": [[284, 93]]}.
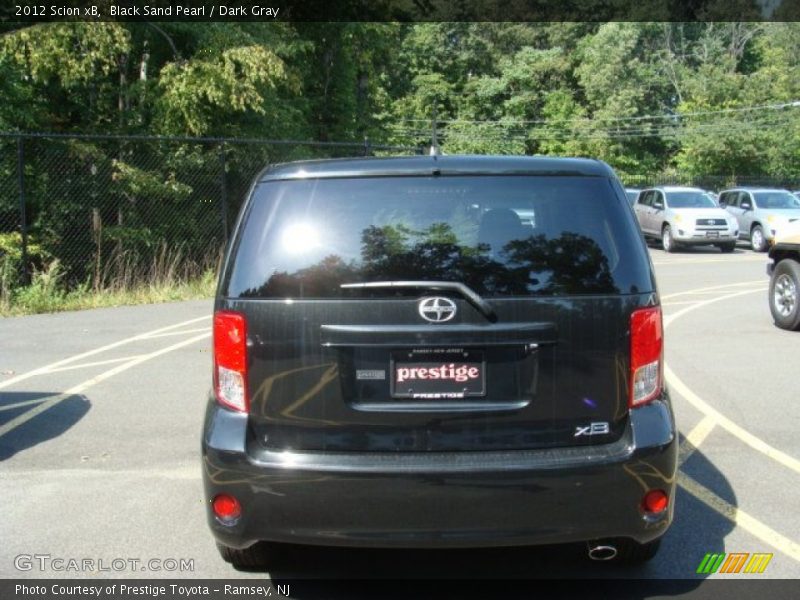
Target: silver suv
{"points": [[760, 212], [684, 215]]}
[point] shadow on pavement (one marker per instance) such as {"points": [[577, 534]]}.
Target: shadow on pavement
{"points": [[30, 424]]}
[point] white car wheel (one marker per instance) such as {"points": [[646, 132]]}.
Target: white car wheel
{"points": [[757, 240], [783, 294], [666, 239]]}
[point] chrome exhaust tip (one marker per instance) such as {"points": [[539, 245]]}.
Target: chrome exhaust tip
{"points": [[602, 552]]}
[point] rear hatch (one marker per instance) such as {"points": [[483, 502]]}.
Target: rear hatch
{"points": [[437, 313]]}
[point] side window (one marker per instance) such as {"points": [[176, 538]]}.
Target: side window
{"points": [[658, 197], [728, 198], [745, 200], [645, 198]]}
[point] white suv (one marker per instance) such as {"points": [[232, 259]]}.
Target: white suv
{"points": [[684, 216], [760, 212]]}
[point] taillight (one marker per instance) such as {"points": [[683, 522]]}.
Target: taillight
{"points": [[647, 355], [655, 501], [226, 507], [230, 360]]}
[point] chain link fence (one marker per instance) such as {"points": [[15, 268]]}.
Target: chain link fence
{"points": [[714, 183], [114, 212]]}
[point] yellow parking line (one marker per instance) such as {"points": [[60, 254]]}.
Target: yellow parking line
{"points": [[23, 403], [740, 518], [81, 387], [732, 428], [742, 434], [169, 333], [706, 292], [699, 261], [43, 370], [92, 364], [713, 287], [701, 431], [701, 303], [28, 415], [695, 437], [677, 302]]}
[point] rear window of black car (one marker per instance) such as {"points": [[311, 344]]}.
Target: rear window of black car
{"points": [[500, 235]]}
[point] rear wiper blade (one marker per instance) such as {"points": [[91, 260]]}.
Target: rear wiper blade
{"points": [[469, 294]]}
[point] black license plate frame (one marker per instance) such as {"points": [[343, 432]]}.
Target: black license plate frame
{"points": [[460, 373]]}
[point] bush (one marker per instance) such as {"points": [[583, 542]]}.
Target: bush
{"points": [[126, 279], [11, 264], [45, 292]]}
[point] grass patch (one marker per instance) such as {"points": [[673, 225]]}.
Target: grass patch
{"points": [[39, 299], [168, 278]]}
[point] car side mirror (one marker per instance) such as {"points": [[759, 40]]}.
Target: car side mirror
{"points": [[658, 205], [746, 206]]}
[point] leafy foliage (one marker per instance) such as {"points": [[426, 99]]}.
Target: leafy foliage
{"points": [[597, 89], [649, 98], [196, 93]]}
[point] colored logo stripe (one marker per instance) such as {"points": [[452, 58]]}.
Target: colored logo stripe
{"points": [[735, 562], [758, 563], [711, 563]]}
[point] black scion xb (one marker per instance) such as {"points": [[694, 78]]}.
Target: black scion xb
{"points": [[438, 351]]}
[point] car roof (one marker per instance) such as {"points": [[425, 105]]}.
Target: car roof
{"points": [[437, 165], [755, 189], [677, 188]]}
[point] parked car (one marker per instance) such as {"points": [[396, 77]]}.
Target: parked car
{"points": [[713, 195], [784, 272], [632, 194], [401, 361], [759, 212], [684, 216]]}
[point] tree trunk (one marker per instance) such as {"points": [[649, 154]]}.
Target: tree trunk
{"points": [[122, 97]]}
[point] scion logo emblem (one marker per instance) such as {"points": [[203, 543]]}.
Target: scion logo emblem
{"points": [[437, 309]]}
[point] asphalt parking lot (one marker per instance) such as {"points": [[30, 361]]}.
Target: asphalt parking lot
{"points": [[101, 412]]}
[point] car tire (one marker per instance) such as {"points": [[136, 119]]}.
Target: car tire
{"points": [[757, 240], [728, 247], [256, 556], [667, 241], [784, 286], [630, 552]]}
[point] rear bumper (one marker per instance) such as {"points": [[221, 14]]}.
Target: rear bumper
{"points": [[442, 499]]}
